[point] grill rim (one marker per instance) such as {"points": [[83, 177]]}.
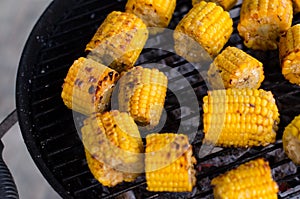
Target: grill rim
{"points": [[22, 100]]}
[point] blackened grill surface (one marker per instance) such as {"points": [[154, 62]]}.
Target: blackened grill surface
{"points": [[47, 125]]}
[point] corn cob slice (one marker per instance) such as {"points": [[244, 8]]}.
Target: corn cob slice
{"points": [[263, 21], [225, 4], [237, 69], [291, 140], [289, 50], [113, 139], [105, 174], [88, 85], [240, 117], [169, 163], [142, 93], [206, 24], [296, 4], [252, 179], [119, 41], [154, 13]]}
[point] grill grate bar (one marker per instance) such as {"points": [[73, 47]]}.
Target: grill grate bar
{"points": [[241, 160], [77, 17], [87, 25], [63, 44], [77, 192], [60, 56], [112, 195], [64, 180]]}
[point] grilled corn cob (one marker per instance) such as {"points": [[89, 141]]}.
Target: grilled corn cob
{"points": [[169, 163], [263, 21], [88, 85], [237, 69], [240, 117], [142, 93], [289, 49], [206, 24], [291, 140], [296, 4], [113, 139], [119, 41], [105, 174], [154, 13], [226, 4], [252, 179]]}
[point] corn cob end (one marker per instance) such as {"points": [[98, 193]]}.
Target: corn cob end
{"points": [[291, 140]]}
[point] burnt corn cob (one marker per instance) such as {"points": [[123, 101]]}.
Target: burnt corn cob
{"points": [[226, 4], [119, 41], [237, 69], [291, 140], [296, 4], [263, 21], [252, 179], [206, 24], [154, 13], [88, 86], [113, 141], [142, 93], [240, 117], [169, 163], [289, 50]]}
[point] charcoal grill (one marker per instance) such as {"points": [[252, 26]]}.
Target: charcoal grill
{"points": [[48, 129]]}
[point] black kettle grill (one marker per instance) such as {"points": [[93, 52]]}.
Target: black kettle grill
{"points": [[47, 126]]}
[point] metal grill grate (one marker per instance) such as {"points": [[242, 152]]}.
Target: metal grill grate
{"points": [[48, 127]]}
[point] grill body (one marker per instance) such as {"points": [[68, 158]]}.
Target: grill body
{"points": [[48, 129]]}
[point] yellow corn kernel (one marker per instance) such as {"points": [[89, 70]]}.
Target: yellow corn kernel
{"points": [[226, 4], [88, 85], [252, 179], [237, 69], [289, 50], [291, 140], [263, 21], [154, 13], [296, 5], [113, 139], [142, 93], [119, 41], [206, 24], [169, 163], [222, 118]]}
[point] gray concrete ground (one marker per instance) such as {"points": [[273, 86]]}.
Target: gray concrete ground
{"points": [[17, 18]]}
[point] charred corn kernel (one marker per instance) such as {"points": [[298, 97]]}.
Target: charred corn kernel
{"points": [[263, 21], [249, 119], [113, 139], [206, 24], [291, 140], [105, 174], [289, 50], [169, 163], [296, 5], [119, 41], [142, 93], [88, 85], [154, 13], [226, 4], [252, 179], [237, 69]]}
